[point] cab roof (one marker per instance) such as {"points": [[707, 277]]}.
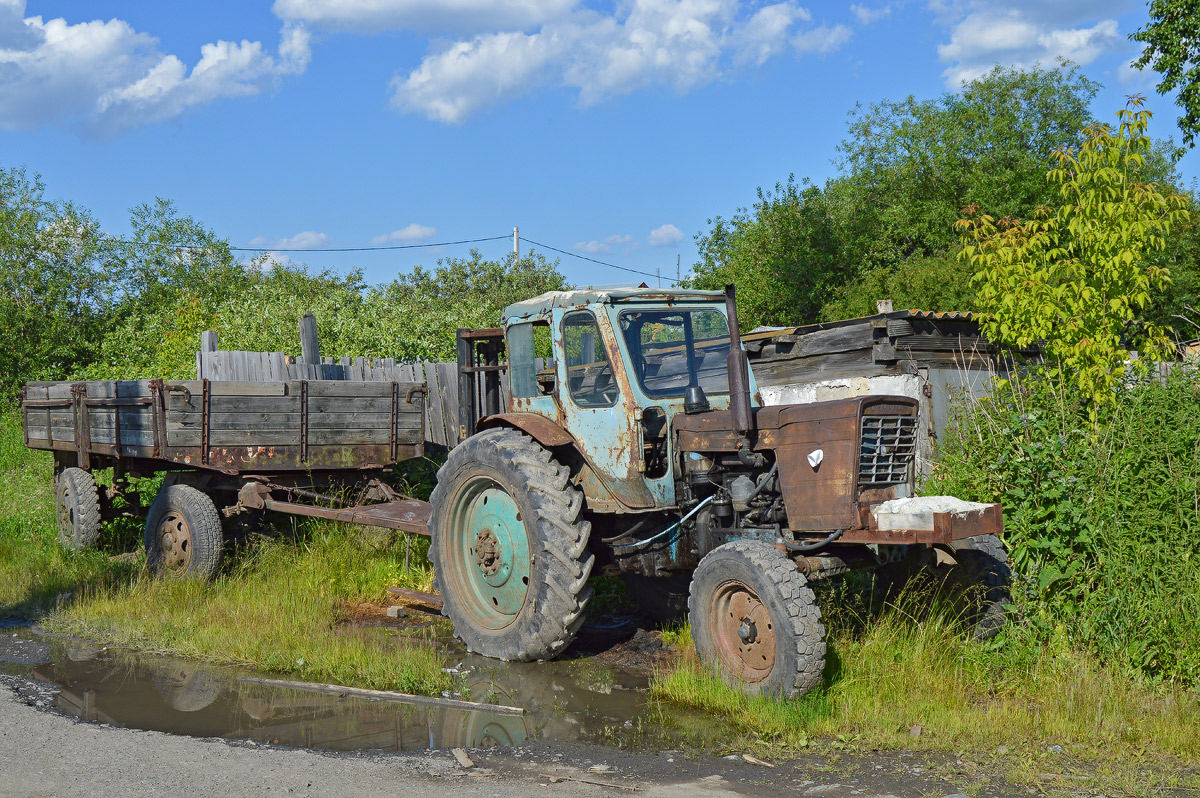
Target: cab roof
{"points": [[570, 300]]}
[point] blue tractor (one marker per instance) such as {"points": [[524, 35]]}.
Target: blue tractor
{"points": [[634, 442]]}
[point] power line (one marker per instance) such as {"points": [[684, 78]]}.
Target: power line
{"points": [[392, 247], [308, 249], [584, 257], [372, 249]]}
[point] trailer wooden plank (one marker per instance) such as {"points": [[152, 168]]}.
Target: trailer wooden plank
{"points": [[355, 389], [347, 437], [435, 410]]}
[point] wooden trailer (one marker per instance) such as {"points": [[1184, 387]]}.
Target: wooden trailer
{"points": [[295, 447]]}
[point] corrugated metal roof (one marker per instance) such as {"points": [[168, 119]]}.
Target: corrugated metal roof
{"points": [[950, 315]]}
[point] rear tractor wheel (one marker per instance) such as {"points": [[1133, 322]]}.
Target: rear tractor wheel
{"points": [[509, 547], [183, 533], [755, 619], [77, 507]]}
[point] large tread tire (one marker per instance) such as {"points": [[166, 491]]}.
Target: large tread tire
{"points": [[191, 519], [983, 571], [773, 580], [550, 511], [77, 506]]}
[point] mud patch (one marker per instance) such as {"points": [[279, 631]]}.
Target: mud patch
{"points": [[568, 701]]}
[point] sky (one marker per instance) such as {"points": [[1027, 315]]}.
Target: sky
{"points": [[610, 131]]}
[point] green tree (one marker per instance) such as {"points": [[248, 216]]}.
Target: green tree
{"points": [[174, 276], [416, 315], [783, 255], [55, 288], [911, 166], [1171, 38], [907, 169], [1077, 276]]}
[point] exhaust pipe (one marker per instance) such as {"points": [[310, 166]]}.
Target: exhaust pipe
{"points": [[739, 371]]}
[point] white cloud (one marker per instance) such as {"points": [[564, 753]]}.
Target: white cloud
{"points": [[409, 234], [665, 236], [461, 16], [764, 35], [867, 15], [1021, 33], [309, 239], [676, 43], [821, 40], [107, 77], [624, 243]]}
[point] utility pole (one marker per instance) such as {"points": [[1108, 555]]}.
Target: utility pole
{"points": [[676, 268], [516, 244], [658, 271]]}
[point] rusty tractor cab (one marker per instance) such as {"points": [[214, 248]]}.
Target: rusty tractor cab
{"points": [[634, 442]]}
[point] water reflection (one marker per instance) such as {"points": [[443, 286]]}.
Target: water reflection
{"points": [[563, 701]]}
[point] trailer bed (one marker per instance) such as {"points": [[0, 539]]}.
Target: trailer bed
{"points": [[228, 427]]}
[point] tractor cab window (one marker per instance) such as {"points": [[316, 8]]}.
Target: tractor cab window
{"points": [[529, 363], [672, 349], [589, 373]]}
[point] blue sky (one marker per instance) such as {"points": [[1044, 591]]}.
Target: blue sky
{"points": [[612, 131]]}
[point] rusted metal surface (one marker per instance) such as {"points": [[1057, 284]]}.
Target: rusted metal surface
{"points": [[742, 631], [541, 429], [175, 542], [408, 515]]}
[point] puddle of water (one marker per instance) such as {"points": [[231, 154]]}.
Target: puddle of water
{"points": [[564, 701]]}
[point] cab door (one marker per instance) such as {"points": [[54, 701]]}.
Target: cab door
{"points": [[600, 411]]}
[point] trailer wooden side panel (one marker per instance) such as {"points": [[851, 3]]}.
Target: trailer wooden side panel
{"points": [[230, 426]]}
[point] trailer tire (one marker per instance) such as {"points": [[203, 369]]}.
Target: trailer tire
{"points": [[77, 506], [740, 588], [513, 574], [183, 533]]}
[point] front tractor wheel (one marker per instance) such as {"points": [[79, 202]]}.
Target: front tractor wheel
{"points": [[754, 618], [509, 547]]}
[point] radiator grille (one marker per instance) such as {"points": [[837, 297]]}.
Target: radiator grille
{"points": [[886, 453]]}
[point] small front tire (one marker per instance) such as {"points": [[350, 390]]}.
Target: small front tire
{"points": [[755, 619]]}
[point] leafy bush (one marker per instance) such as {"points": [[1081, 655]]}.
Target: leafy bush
{"points": [[1102, 518]]}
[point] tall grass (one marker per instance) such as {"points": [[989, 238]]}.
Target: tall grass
{"points": [[280, 604]]}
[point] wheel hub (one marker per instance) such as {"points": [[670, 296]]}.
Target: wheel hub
{"points": [[175, 542], [487, 552], [490, 563], [743, 632]]}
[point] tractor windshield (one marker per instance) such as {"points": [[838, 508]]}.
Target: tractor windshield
{"points": [[673, 349]]}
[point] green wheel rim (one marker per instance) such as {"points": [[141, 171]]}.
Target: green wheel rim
{"points": [[488, 553]]}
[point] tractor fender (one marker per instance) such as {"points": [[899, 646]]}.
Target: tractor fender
{"points": [[540, 428]]}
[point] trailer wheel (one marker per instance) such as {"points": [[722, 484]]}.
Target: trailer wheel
{"points": [[509, 547], [983, 571], [755, 619], [77, 506], [183, 533]]}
